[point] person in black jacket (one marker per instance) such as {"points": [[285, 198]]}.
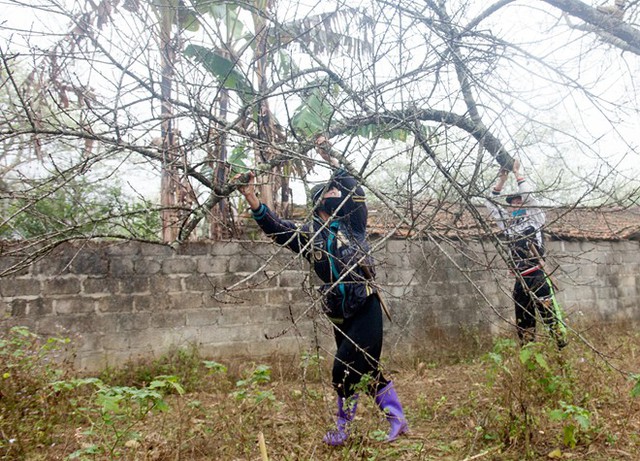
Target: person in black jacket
{"points": [[334, 242]]}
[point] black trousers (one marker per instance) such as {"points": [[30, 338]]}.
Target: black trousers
{"points": [[529, 295], [359, 345]]}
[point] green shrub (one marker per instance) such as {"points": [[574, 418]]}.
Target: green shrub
{"points": [[30, 408]]}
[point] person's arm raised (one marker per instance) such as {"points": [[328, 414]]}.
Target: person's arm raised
{"points": [[249, 191], [323, 146]]}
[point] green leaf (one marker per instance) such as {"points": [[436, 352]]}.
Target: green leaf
{"points": [[237, 160], [170, 381], [316, 112], [233, 23], [313, 115], [23, 331], [556, 415], [215, 367], [583, 420], [381, 131], [89, 450], [286, 65], [635, 392], [264, 395], [525, 355], [161, 405], [188, 20], [570, 436], [542, 362], [109, 403], [74, 383], [223, 69]]}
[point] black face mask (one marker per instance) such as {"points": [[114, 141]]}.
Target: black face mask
{"points": [[319, 206], [331, 204]]}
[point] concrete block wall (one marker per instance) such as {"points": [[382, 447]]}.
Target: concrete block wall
{"points": [[120, 301]]}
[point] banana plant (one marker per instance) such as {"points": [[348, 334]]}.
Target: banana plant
{"points": [[173, 18], [249, 80], [317, 113]]}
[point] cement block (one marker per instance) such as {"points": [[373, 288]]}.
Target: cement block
{"points": [[225, 280], [55, 265], [18, 308], [121, 267], [143, 303], [72, 325], [129, 249], [90, 263], [246, 264], [226, 249], [605, 293], [147, 266], [104, 322], [167, 319], [132, 321], [629, 303], [87, 343], [233, 315], [401, 277], [200, 318], [92, 362], [156, 250], [212, 264], [251, 297], [186, 300], [100, 285], [275, 297], [200, 283], [120, 341], [39, 307], [194, 248], [165, 284], [18, 286], [6, 323], [179, 265], [626, 281], [292, 278], [73, 305], [14, 266], [263, 280], [135, 284], [114, 303]]}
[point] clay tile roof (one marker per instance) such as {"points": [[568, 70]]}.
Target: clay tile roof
{"points": [[454, 220], [594, 223]]}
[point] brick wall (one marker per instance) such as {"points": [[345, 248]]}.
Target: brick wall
{"points": [[120, 301]]}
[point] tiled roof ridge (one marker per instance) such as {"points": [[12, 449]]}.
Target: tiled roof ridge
{"points": [[454, 220]]}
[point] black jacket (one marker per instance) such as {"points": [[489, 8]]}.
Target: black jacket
{"points": [[337, 249]]}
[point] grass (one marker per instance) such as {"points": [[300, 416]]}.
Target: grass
{"points": [[503, 403]]}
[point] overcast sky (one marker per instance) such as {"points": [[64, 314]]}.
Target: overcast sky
{"points": [[583, 128]]}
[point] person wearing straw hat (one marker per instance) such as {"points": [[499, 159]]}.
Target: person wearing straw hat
{"points": [[521, 225]]}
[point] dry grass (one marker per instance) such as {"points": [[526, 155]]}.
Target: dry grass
{"points": [[477, 407]]}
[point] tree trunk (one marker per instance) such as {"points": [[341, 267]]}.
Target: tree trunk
{"points": [[169, 180]]}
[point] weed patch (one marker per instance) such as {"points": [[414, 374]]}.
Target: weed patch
{"points": [[506, 403]]}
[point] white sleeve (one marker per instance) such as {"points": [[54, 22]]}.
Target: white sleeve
{"points": [[498, 213], [525, 190], [529, 201]]}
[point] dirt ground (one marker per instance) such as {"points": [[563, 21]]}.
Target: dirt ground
{"points": [[498, 402], [473, 406]]}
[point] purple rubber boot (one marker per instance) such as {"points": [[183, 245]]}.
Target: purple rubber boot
{"points": [[388, 401], [346, 413]]}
